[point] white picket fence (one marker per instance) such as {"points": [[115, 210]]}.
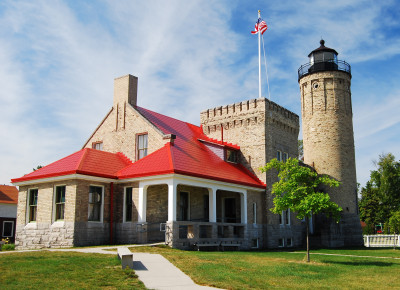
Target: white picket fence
{"points": [[382, 240]]}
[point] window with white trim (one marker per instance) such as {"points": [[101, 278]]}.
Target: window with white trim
{"points": [[8, 229], [96, 198], [59, 202], [97, 145], [284, 217], [32, 204], [141, 146], [128, 205], [289, 242]]}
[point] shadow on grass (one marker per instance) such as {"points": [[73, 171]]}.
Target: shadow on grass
{"points": [[360, 263]]}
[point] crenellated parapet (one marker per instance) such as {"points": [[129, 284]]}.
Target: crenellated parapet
{"points": [[249, 113]]}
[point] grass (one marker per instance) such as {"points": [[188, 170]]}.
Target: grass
{"points": [[229, 270], [260, 270], [43, 270]]}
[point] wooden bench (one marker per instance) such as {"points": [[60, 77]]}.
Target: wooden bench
{"points": [[206, 244], [230, 244], [126, 257]]}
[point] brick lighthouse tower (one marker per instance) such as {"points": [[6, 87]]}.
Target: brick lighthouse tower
{"points": [[328, 139]]}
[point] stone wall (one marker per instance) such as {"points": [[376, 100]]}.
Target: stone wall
{"points": [[260, 127], [329, 146], [46, 232]]}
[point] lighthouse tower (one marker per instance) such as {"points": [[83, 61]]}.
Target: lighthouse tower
{"points": [[327, 120]]}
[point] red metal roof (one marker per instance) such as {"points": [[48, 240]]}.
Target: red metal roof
{"points": [[86, 161], [188, 155], [8, 194]]}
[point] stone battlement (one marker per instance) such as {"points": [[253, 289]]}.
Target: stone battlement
{"points": [[249, 106]]}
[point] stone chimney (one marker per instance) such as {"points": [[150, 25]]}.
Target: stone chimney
{"points": [[125, 90]]}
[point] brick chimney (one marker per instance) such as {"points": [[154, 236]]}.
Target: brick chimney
{"points": [[125, 90]]}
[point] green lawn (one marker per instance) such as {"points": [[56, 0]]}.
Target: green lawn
{"points": [[260, 270], [60, 270], [229, 270]]}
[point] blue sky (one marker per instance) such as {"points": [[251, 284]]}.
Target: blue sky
{"points": [[59, 59]]}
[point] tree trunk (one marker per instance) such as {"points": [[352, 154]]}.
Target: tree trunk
{"points": [[308, 243]]}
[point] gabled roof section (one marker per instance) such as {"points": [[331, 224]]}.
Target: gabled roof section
{"points": [[188, 155], [8, 194], [86, 161]]}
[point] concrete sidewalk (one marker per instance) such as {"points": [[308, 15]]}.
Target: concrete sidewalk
{"points": [[156, 272]]}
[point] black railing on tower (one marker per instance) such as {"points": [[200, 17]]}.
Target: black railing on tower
{"points": [[317, 66]]}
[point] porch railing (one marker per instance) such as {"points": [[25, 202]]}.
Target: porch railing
{"points": [[382, 240]]}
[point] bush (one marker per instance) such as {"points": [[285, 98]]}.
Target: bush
{"points": [[8, 247]]}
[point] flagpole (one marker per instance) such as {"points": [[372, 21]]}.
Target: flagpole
{"points": [[259, 58]]}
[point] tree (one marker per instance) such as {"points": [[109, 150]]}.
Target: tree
{"points": [[38, 167], [370, 207], [394, 223], [299, 189], [380, 198]]}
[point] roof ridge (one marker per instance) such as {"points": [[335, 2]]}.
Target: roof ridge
{"points": [[80, 162], [124, 157]]}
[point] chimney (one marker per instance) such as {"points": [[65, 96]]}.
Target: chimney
{"points": [[125, 90]]}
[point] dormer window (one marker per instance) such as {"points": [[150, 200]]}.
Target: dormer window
{"points": [[231, 155], [97, 145]]}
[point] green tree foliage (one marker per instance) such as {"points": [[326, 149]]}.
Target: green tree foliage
{"points": [[394, 223], [380, 198], [299, 189]]}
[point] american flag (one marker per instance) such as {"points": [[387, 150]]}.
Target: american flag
{"points": [[261, 26]]}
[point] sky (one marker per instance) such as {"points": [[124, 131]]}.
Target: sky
{"points": [[58, 61]]}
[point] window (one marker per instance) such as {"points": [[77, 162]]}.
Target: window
{"points": [[285, 157], [95, 203], [32, 205], [281, 243], [287, 216], [128, 204], [141, 146], [254, 243], [97, 145], [254, 213], [279, 155], [284, 217], [289, 242], [59, 201], [231, 156], [8, 229]]}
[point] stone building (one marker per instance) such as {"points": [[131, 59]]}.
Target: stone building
{"points": [[146, 177]]}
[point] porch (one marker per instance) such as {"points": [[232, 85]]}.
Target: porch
{"points": [[186, 211]]}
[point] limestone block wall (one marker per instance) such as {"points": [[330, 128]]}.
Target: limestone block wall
{"points": [[46, 232], [260, 127], [328, 132], [91, 232], [118, 132]]}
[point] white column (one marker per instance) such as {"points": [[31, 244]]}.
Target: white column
{"points": [[172, 199], [212, 199], [142, 203], [243, 205]]}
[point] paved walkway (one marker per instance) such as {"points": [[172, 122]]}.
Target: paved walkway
{"points": [[153, 270]]}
